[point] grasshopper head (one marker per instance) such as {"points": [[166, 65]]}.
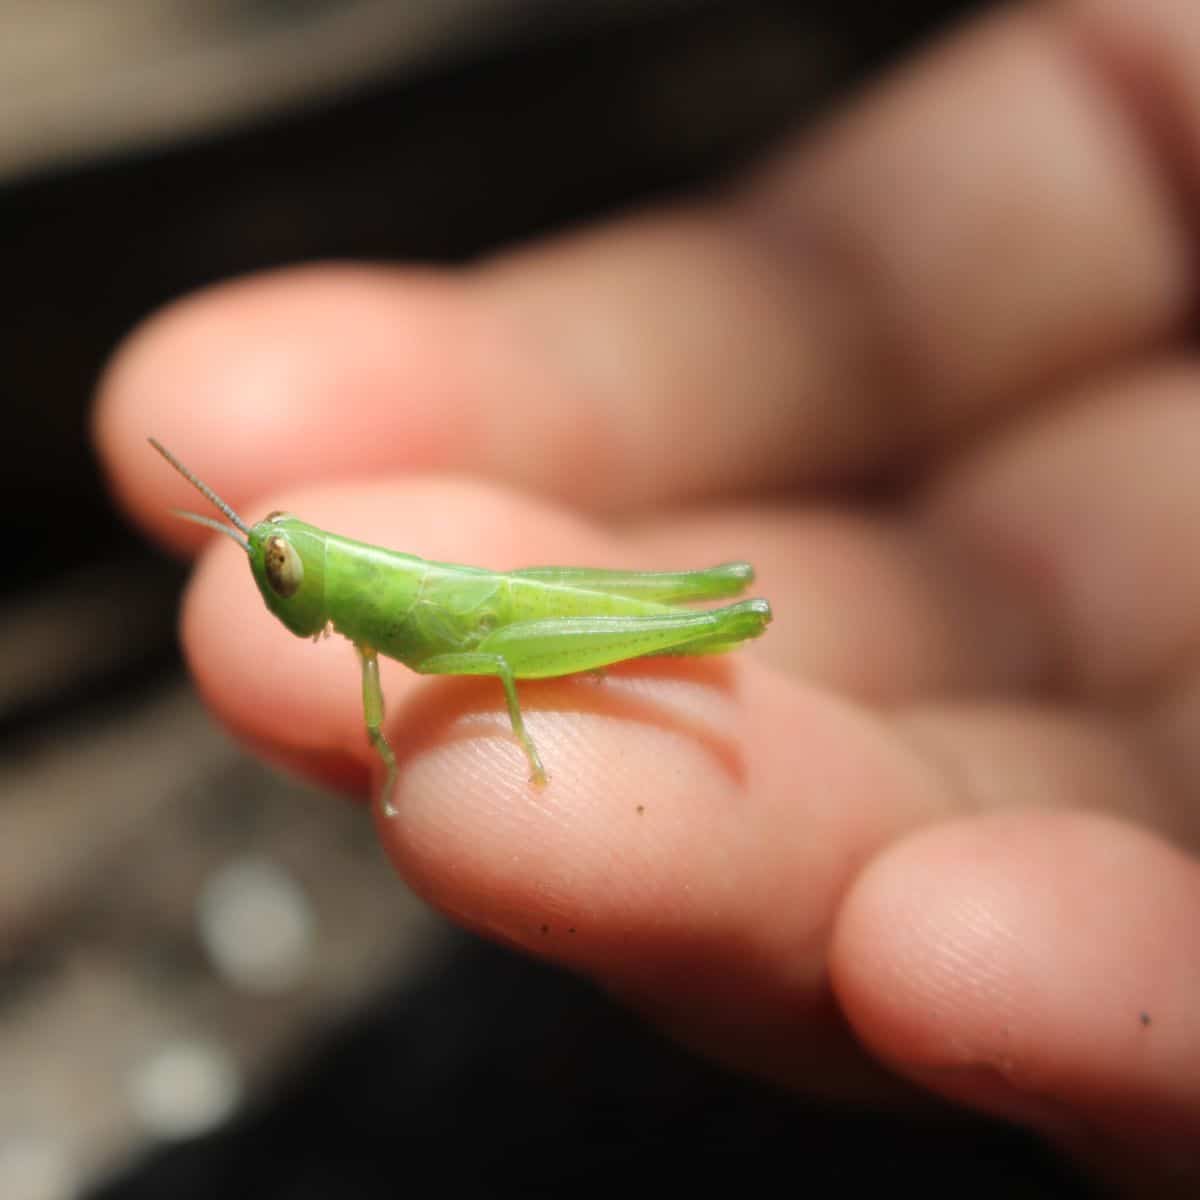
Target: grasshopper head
{"points": [[287, 557]]}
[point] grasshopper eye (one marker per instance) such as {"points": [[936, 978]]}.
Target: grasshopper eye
{"points": [[285, 571], [277, 514]]}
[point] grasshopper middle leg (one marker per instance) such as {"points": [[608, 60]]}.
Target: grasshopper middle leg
{"points": [[473, 663]]}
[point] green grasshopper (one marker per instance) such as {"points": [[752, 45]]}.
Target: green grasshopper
{"points": [[444, 619]]}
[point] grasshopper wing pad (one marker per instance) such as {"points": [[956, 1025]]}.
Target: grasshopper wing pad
{"points": [[562, 646], [662, 587]]}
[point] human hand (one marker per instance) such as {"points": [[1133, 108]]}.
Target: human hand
{"points": [[927, 370]]}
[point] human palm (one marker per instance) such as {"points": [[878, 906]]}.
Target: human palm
{"points": [[930, 370]]}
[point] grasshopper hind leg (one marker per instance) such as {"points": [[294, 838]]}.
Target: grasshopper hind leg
{"points": [[737, 623], [555, 646]]}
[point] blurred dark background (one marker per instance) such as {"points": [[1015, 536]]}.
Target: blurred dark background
{"points": [[210, 984]]}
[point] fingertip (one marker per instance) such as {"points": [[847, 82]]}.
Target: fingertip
{"points": [[601, 843], [284, 379], [170, 380], [1038, 966]]}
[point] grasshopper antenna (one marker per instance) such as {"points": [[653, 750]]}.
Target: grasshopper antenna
{"points": [[212, 523], [210, 496]]}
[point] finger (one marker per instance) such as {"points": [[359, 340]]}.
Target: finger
{"points": [[1039, 967], [866, 604], [1088, 513], [954, 215], [863, 605], [999, 753], [934, 255], [292, 378]]}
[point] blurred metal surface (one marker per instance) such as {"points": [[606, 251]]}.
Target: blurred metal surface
{"points": [[79, 79], [149, 872], [82, 626]]}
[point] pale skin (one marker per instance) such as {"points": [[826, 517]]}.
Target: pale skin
{"points": [[947, 808]]}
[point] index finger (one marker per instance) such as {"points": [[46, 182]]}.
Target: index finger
{"points": [[992, 219]]}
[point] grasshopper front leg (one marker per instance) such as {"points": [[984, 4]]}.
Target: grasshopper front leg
{"points": [[373, 715]]}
